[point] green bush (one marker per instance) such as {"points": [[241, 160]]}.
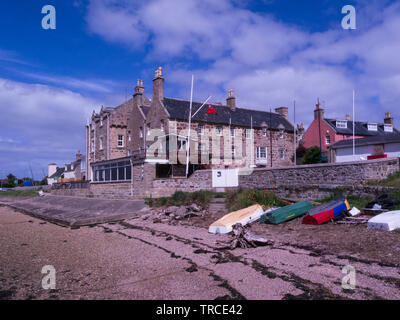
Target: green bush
{"points": [[312, 155], [240, 199]]}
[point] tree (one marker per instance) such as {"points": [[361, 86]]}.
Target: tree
{"points": [[11, 179], [312, 155]]}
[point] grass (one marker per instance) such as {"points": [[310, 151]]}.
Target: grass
{"points": [[180, 198], [239, 199], [18, 193], [392, 180]]}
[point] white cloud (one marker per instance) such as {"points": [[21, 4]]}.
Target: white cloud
{"points": [[42, 123]]}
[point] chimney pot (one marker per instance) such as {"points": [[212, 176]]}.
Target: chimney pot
{"points": [[347, 117], [388, 118], [231, 100]]}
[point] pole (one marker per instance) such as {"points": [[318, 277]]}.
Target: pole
{"points": [[319, 128], [354, 141], [294, 131], [270, 135], [190, 122]]}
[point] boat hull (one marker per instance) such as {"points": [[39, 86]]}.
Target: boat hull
{"points": [[287, 213], [326, 212], [388, 221]]}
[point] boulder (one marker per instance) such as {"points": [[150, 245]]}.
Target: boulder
{"points": [[170, 210], [194, 207]]}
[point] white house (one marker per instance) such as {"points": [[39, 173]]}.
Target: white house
{"points": [[365, 149]]}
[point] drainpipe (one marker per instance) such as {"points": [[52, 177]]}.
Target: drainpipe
{"points": [[131, 177], [108, 137]]}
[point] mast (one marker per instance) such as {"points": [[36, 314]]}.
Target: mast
{"points": [[270, 134], [190, 122], [354, 141], [294, 131]]}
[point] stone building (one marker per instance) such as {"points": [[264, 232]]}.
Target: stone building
{"points": [[73, 171], [144, 139]]}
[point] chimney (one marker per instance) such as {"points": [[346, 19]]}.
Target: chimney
{"points": [[231, 100], [347, 117], [78, 155], [283, 111], [139, 92], [318, 112], [52, 169], [158, 85], [388, 118]]}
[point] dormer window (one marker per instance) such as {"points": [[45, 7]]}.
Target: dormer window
{"points": [[200, 129], [388, 128], [372, 127], [281, 133], [162, 125], [264, 132], [219, 130], [342, 124]]}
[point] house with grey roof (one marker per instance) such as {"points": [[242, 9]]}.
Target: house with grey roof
{"points": [[73, 171]]}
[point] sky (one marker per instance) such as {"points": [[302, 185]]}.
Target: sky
{"points": [[270, 52]]}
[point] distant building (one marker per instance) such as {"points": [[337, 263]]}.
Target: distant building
{"points": [[369, 148], [74, 171], [324, 132]]}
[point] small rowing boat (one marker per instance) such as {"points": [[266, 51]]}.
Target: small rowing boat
{"points": [[325, 212], [286, 213], [388, 221]]}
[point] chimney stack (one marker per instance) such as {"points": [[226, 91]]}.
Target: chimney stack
{"points": [[158, 85], [318, 112], [139, 92], [52, 169], [78, 155], [388, 118], [347, 117], [231, 100], [283, 111]]}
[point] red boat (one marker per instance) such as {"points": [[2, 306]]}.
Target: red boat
{"points": [[325, 212]]}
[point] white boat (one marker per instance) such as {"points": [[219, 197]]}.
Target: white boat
{"points": [[385, 221], [243, 216]]}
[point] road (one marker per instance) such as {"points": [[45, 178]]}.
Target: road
{"points": [[137, 259]]}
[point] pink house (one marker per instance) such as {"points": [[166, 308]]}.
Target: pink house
{"points": [[324, 132]]}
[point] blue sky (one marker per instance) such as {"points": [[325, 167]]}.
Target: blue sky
{"points": [[270, 52]]}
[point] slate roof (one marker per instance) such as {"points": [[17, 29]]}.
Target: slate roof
{"points": [[361, 129], [179, 109], [58, 173], [388, 138]]}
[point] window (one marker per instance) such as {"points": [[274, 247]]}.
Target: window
{"points": [[202, 147], [261, 153], [148, 129], [162, 125], [281, 133], [233, 152], [264, 132], [92, 146], [120, 141], [232, 132], [101, 143], [115, 171], [129, 136], [248, 133], [101, 121], [388, 128], [328, 140], [219, 130], [372, 127], [141, 132], [282, 154], [181, 145], [201, 128], [342, 124]]}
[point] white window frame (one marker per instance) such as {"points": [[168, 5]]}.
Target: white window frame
{"points": [[233, 151], [259, 153], [148, 129], [141, 132], [232, 132], [181, 144], [101, 121], [120, 140], [162, 124], [219, 130], [92, 146], [388, 127], [248, 133], [264, 132], [281, 133], [372, 126], [101, 143], [327, 139], [341, 124], [282, 154]]}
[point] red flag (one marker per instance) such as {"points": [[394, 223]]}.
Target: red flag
{"points": [[211, 110]]}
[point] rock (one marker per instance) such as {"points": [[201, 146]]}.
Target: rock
{"points": [[145, 216], [177, 217], [156, 220], [181, 211], [194, 207], [165, 220], [170, 210]]}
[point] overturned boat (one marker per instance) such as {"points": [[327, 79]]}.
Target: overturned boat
{"points": [[243, 216], [327, 211], [286, 213], [388, 221]]}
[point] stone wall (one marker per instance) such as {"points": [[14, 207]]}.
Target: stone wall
{"points": [[350, 173]]}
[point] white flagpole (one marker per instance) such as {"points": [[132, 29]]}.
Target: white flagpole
{"points": [[190, 121], [201, 106], [294, 130], [354, 141]]}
